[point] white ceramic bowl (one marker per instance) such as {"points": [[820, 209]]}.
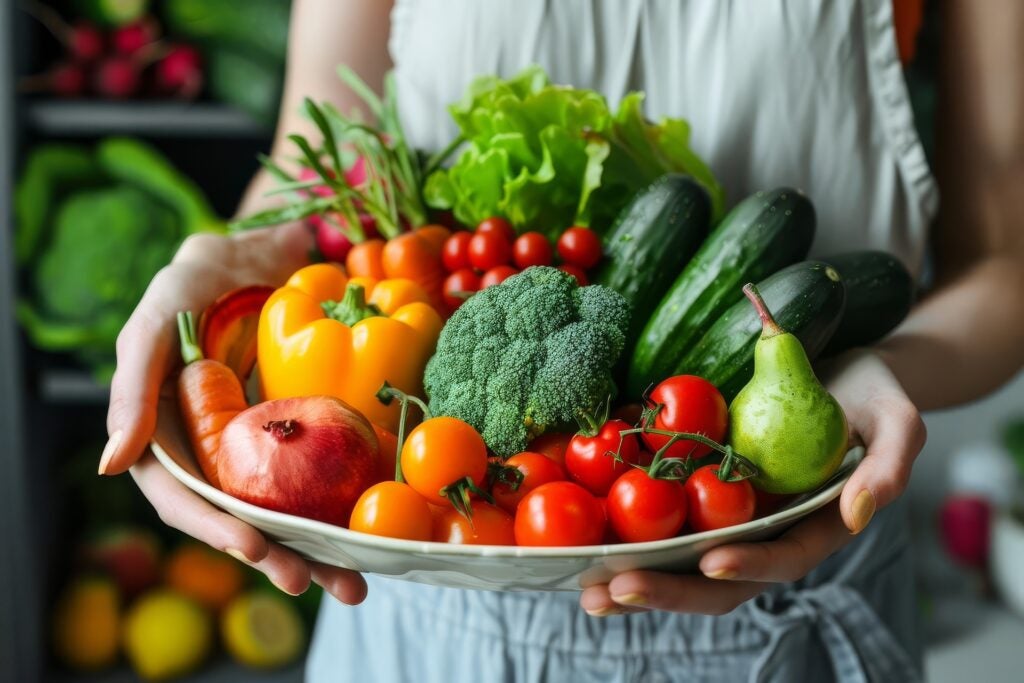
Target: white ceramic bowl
{"points": [[505, 568]]}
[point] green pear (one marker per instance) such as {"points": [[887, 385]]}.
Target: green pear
{"points": [[784, 420]]}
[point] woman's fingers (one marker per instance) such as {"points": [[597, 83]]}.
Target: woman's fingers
{"points": [[188, 512], [788, 558], [346, 586], [895, 434], [642, 590], [184, 510]]}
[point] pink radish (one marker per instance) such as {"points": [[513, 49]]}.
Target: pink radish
{"points": [[67, 80], [131, 38], [84, 42], [117, 77], [180, 72]]}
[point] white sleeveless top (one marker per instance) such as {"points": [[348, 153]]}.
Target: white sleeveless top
{"points": [[807, 94], [779, 92]]}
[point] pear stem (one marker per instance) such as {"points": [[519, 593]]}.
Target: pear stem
{"points": [[769, 328]]}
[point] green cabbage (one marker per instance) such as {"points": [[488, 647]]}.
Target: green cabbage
{"points": [[93, 227], [547, 156]]}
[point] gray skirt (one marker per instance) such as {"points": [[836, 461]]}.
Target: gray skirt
{"points": [[854, 618]]}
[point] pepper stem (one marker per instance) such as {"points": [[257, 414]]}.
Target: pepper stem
{"points": [[352, 308]]}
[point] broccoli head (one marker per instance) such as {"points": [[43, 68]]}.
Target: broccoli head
{"points": [[526, 355]]}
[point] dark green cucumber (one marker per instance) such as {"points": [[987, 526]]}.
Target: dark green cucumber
{"points": [[879, 294], [806, 299], [650, 242], [763, 233]]}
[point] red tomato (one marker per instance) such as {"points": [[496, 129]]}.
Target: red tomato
{"points": [[457, 285], [455, 252], [644, 509], [496, 275], [580, 247], [537, 470], [499, 226], [576, 272], [490, 526], [559, 513], [609, 533], [553, 445], [589, 459], [532, 249], [715, 504], [392, 509], [489, 249], [688, 404]]}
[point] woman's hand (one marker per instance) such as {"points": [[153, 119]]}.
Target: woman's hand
{"points": [[147, 351], [881, 418]]}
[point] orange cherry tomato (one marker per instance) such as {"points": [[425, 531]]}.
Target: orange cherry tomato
{"points": [[416, 255], [364, 260], [490, 526], [392, 509], [440, 452], [537, 469]]}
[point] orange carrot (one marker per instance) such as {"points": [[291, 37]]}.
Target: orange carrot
{"points": [[209, 396], [364, 260], [416, 255]]}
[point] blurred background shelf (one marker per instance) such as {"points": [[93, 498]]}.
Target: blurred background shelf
{"points": [[72, 386], [79, 118], [219, 671]]}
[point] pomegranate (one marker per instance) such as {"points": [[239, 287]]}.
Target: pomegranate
{"points": [[311, 456]]}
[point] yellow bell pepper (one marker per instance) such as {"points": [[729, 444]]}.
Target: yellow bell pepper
{"points": [[320, 334]]}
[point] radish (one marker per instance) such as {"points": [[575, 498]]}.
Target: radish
{"points": [[131, 38], [84, 42], [180, 72], [67, 80], [117, 77]]}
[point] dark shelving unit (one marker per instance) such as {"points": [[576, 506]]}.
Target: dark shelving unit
{"points": [[48, 404]]}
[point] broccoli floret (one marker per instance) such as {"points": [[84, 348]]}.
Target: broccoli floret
{"points": [[527, 355]]}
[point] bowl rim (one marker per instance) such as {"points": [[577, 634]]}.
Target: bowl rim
{"points": [[830, 491]]}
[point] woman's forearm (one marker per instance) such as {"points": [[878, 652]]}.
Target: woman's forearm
{"points": [[963, 340]]}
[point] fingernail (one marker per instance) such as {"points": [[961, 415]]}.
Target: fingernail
{"points": [[285, 590], [238, 555], [863, 511], [723, 574], [109, 450], [604, 612], [635, 599]]}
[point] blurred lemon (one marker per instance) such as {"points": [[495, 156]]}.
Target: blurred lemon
{"points": [[206, 575], [262, 630], [86, 624], [166, 634]]}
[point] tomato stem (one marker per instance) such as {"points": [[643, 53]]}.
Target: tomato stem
{"points": [[655, 468]]}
